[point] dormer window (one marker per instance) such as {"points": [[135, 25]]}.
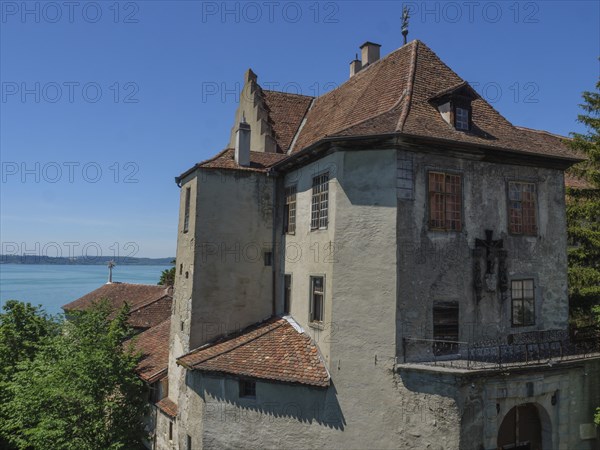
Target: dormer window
{"points": [[461, 118], [454, 105]]}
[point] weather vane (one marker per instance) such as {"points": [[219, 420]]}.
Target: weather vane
{"points": [[405, 17]]}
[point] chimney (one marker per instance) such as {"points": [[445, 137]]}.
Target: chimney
{"points": [[355, 66], [242, 143], [370, 53]]}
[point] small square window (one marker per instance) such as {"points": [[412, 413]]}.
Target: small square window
{"points": [[268, 258], [247, 389]]}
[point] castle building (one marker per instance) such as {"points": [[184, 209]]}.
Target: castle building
{"points": [[383, 266]]}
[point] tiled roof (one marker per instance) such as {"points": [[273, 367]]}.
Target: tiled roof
{"points": [[286, 112], [273, 350], [573, 182], [167, 406], [154, 347], [149, 304], [393, 96], [259, 161]]}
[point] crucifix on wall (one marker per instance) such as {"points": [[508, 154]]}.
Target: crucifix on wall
{"points": [[489, 251]]}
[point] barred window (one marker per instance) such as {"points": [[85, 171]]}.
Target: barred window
{"points": [[523, 303], [445, 201], [247, 389], [317, 295], [289, 214], [320, 202], [521, 208]]}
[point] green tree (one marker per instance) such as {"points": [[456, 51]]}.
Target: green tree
{"points": [[167, 277], [80, 391], [583, 215], [24, 330]]}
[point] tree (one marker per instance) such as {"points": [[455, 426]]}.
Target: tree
{"points": [[80, 391], [583, 215], [24, 330], [167, 277]]}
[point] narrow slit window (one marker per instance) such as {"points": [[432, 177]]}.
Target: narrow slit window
{"points": [[186, 216], [289, 215], [320, 202], [317, 297], [445, 201], [287, 294], [522, 208]]}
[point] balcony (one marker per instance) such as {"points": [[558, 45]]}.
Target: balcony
{"points": [[521, 350]]}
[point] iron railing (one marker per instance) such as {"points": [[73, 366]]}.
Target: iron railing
{"points": [[523, 350]]}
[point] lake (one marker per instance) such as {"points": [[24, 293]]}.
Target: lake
{"points": [[54, 285]]}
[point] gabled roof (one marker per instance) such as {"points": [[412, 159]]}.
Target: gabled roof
{"points": [[153, 344], [149, 304], [286, 112], [273, 350], [225, 160]]}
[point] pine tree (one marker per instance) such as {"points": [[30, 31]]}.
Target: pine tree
{"points": [[583, 215]]}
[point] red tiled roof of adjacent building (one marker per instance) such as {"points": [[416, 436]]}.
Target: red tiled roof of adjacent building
{"points": [[273, 350], [286, 112], [149, 304], [153, 344], [574, 182], [259, 161], [167, 406]]}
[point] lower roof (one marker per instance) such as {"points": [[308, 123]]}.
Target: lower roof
{"points": [[274, 350]]}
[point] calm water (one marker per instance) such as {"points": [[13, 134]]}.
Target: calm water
{"points": [[55, 285]]}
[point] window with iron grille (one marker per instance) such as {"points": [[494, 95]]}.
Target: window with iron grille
{"points": [[186, 217], [289, 214], [522, 303], [445, 328], [317, 296], [445, 201], [521, 208], [320, 202], [247, 389]]}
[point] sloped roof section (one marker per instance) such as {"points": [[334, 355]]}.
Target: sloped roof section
{"points": [[273, 350], [259, 161], [168, 406], [286, 112], [135, 295], [153, 344], [394, 96]]}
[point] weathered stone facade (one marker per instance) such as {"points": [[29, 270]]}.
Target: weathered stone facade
{"points": [[384, 269]]}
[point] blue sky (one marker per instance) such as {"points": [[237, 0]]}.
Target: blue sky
{"points": [[103, 103]]}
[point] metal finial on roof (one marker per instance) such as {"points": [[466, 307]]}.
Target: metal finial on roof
{"points": [[243, 117], [111, 264], [405, 17]]}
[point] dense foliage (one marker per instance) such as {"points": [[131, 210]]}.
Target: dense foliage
{"points": [[72, 389], [167, 277], [583, 215]]}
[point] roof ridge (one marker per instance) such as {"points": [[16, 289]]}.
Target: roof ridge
{"points": [[148, 303], [409, 88]]}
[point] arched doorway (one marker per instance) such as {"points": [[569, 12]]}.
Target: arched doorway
{"points": [[521, 429]]}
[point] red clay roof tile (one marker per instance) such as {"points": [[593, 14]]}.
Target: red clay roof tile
{"points": [[167, 406], [273, 350], [153, 344]]}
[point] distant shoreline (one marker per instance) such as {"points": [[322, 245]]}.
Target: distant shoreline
{"points": [[90, 261]]}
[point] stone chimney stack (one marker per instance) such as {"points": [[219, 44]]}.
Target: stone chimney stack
{"points": [[242, 144], [370, 53], [355, 66]]}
